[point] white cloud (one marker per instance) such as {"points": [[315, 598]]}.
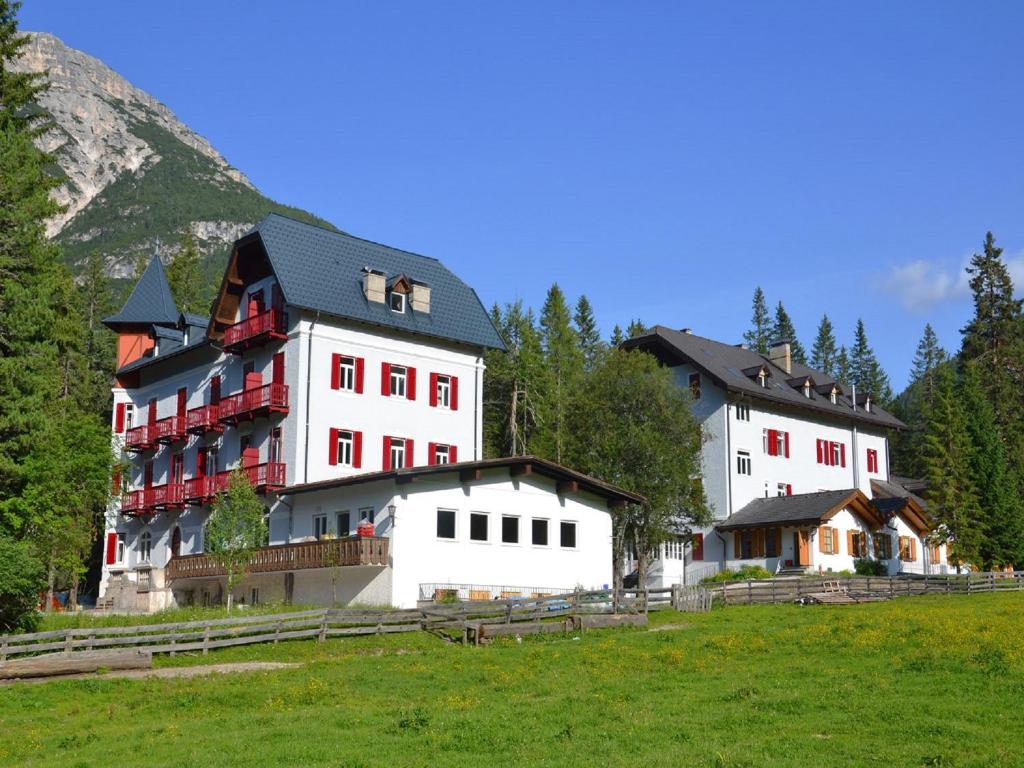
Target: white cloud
{"points": [[922, 284]]}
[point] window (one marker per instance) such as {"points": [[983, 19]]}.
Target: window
{"points": [[177, 469], [773, 542], [934, 554], [673, 549], [478, 526], [831, 453], [783, 489], [872, 460], [443, 391], [120, 548], [129, 415], [695, 386], [775, 442], [698, 546], [446, 523], [211, 460], [539, 532], [396, 453], [858, 543], [908, 549], [343, 449], [346, 373], [367, 514], [145, 546], [807, 390], [509, 529], [742, 412], [319, 526], [883, 546], [828, 543], [274, 451], [344, 520], [832, 397], [397, 381], [743, 466], [761, 378], [442, 454], [567, 537], [397, 301]]}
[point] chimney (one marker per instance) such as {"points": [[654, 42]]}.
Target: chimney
{"points": [[420, 297], [687, 331], [373, 285], [782, 356]]}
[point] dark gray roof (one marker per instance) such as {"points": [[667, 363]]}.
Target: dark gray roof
{"points": [[725, 364], [173, 352], [196, 321], [150, 303], [319, 269], [894, 489], [804, 508]]}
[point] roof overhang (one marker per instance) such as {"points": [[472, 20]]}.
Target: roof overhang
{"points": [[858, 504]]}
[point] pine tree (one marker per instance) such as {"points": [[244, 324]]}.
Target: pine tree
{"points": [[587, 334], [866, 373], [842, 366], [952, 494], [783, 330], [999, 504], [915, 403], [97, 301], [617, 337], [563, 362], [185, 276], [636, 328], [824, 354], [758, 338]]}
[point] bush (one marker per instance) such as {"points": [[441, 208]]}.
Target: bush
{"points": [[22, 578], [745, 573], [865, 566]]}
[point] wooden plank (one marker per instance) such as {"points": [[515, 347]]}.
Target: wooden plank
{"points": [[76, 663]]}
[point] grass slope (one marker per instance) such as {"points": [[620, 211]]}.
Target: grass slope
{"points": [[930, 681]]}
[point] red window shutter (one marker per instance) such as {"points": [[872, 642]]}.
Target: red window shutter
{"points": [[277, 368], [409, 462], [433, 392], [789, 489], [332, 447], [119, 418], [152, 411], [201, 462], [215, 390], [111, 548], [785, 436], [772, 445], [386, 464], [182, 401], [698, 546], [410, 384], [359, 375], [335, 371], [385, 379], [821, 453], [842, 454], [453, 453], [454, 397], [357, 449], [431, 451]]}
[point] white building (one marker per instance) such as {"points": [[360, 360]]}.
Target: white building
{"points": [[326, 357], [793, 468]]}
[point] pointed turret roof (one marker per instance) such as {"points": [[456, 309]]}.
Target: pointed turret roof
{"points": [[151, 301]]}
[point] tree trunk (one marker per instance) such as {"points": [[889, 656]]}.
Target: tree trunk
{"points": [[51, 577], [73, 596], [618, 565], [229, 599]]}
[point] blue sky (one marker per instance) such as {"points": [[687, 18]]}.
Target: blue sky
{"points": [[664, 159]]}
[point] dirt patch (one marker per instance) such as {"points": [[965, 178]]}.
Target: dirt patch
{"points": [[169, 672], [667, 627]]}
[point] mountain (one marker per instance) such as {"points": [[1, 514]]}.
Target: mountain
{"points": [[133, 174]]}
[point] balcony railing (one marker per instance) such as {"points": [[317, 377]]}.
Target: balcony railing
{"points": [[255, 331], [262, 477], [139, 438], [170, 496], [133, 502], [199, 421], [353, 550], [169, 430], [201, 490], [250, 403]]}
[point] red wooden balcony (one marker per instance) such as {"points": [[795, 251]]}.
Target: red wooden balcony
{"points": [[170, 496], [139, 438], [169, 430], [202, 490], [133, 503], [250, 403], [263, 477], [255, 331], [199, 421]]}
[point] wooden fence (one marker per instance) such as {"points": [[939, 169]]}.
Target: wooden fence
{"points": [[788, 590]]}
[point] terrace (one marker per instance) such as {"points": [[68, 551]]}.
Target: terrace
{"points": [[252, 403]]}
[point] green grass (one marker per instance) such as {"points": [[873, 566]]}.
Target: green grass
{"points": [[926, 681], [196, 613]]}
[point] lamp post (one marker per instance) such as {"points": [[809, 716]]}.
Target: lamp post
{"points": [[391, 512]]}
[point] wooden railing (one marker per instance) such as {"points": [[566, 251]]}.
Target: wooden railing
{"points": [[252, 402], [203, 419], [367, 550], [255, 330], [139, 438], [169, 430]]}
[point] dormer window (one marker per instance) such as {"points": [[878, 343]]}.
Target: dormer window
{"points": [[762, 378], [396, 301], [867, 404], [832, 397], [807, 389]]}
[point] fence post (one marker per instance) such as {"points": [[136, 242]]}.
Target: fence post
{"points": [[508, 609], [277, 632], [892, 588], [677, 596], [323, 628], [173, 642], [206, 640], [750, 592], [3, 648], [69, 642], [773, 591], [92, 639]]}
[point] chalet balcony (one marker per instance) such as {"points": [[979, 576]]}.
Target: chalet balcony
{"points": [[349, 551], [256, 331], [201, 490], [203, 420], [164, 497], [140, 438], [263, 477], [133, 503], [252, 403], [169, 430]]}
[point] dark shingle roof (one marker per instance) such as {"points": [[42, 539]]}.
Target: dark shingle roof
{"points": [[804, 508], [323, 270], [893, 489], [726, 364], [150, 303]]}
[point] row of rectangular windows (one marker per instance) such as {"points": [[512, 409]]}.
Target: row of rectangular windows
{"points": [[348, 375], [345, 448], [767, 542], [479, 529], [829, 453]]}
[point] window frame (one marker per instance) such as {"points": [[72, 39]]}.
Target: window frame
{"points": [[318, 527], [743, 456], [350, 443], [275, 445], [694, 383], [121, 549], [145, 546], [443, 390], [547, 531], [346, 371], [517, 519], [129, 415], [454, 524], [438, 448], [369, 514], [398, 381], [475, 516], [574, 524], [402, 302], [742, 411], [396, 447], [337, 522]]}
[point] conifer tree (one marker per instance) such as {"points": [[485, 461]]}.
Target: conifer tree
{"points": [[185, 276], [587, 334], [952, 494], [824, 354], [617, 337], [783, 330], [915, 403], [636, 328], [866, 373], [563, 363], [842, 366], [97, 301], [758, 338]]}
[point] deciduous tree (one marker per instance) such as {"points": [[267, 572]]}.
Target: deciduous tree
{"points": [[236, 529]]}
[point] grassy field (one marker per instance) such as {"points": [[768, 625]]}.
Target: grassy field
{"points": [[927, 681]]}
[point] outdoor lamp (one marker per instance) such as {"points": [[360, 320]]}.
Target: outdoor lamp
{"points": [[391, 511]]}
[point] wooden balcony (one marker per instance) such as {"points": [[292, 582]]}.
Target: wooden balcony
{"points": [[169, 430], [353, 550], [201, 490], [133, 503], [204, 419], [256, 331], [139, 438], [164, 497], [265, 478], [252, 403]]}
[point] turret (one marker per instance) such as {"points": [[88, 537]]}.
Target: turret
{"points": [[150, 306]]}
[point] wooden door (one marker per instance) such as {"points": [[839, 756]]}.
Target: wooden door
{"points": [[802, 547], [255, 304]]}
